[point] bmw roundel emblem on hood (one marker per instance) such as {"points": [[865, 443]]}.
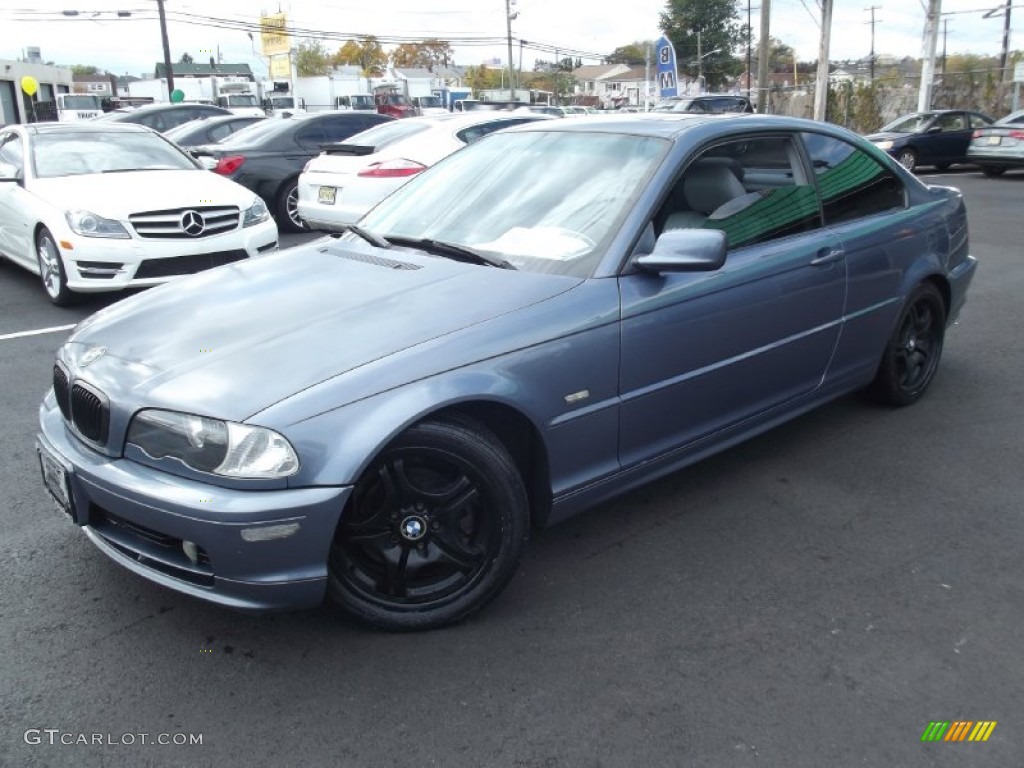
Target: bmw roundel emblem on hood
{"points": [[91, 356], [193, 224]]}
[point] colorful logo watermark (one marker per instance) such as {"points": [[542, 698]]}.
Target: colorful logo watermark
{"points": [[958, 730]]}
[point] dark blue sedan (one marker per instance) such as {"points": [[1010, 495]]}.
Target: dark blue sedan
{"points": [[939, 138], [543, 320]]}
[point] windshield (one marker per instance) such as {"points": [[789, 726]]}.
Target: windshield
{"points": [[909, 123], [545, 201], [362, 102], [425, 102], [282, 102], [81, 102], [242, 100], [74, 154]]}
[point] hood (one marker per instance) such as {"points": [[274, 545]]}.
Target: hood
{"points": [[887, 136], [232, 341], [116, 195]]}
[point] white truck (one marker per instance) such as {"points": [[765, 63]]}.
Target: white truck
{"points": [[70, 108], [323, 93], [238, 97], [236, 94]]}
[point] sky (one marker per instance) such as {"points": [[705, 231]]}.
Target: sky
{"points": [[132, 45]]}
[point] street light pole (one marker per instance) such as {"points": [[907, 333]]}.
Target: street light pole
{"points": [[167, 48]]}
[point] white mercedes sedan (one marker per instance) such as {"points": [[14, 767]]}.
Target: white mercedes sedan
{"points": [[93, 207], [346, 180]]}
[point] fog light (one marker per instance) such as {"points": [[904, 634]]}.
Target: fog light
{"points": [[270, 532], [191, 551]]}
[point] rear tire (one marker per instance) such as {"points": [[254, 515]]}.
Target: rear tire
{"points": [[287, 208], [993, 171], [433, 530], [912, 354]]}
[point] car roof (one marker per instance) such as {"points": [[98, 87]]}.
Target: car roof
{"points": [[86, 127], [457, 120]]}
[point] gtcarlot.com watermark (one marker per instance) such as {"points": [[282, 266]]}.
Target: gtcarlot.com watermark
{"points": [[55, 736]]}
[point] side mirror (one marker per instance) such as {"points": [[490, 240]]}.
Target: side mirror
{"points": [[9, 173], [686, 250], [935, 129]]}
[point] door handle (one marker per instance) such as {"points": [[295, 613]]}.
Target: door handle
{"points": [[827, 256]]}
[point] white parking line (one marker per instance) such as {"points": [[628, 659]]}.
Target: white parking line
{"points": [[36, 332]]}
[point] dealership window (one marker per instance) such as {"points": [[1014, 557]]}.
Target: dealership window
{"points": [[852, 184]]}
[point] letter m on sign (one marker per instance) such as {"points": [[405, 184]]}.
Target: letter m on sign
{"points": [[666, 80]]}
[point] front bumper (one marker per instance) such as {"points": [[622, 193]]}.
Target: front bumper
{"points": [[96, 264], [251, 550]]}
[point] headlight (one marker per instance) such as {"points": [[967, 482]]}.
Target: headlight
{"points": [[256, 213], [210, 445], [884, 144], [90, 225]]}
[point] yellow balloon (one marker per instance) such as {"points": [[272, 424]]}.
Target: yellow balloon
{"points": [[29, 85]]}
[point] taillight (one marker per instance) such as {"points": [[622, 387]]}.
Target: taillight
{"points": [[391, 169], [1016, 134], [228, 165], [976, 134]]}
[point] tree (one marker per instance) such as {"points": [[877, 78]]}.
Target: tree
{"points": [[186, 58], [312, 58], [483, 78], [366, 53], [634, 53], [84, 69], [426, 55], [717, 22]]}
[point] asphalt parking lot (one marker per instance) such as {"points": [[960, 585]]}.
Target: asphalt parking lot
{"points": [[814, 597]]}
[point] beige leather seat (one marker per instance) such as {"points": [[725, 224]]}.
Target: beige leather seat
{"points": [[706, 187]]}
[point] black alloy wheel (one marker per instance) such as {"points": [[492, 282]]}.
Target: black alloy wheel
{"points": [[912, 355], [433, 530]]}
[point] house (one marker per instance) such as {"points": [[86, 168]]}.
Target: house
{"points": [[626, 87], [98, 84], [15, 104], [210, 69], [591, 81]]}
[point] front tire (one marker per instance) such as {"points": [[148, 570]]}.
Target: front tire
{"points": [[912, 355], [993, 171], [908, 159], [433, 531], [51, 269]]}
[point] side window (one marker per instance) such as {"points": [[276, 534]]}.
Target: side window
{"points": [[852, 184], [310, 136], [342, 127], [752, 189], [11, 152], [977, 121], [218, 132], [156, 122], [952, 121], [474, 132]]}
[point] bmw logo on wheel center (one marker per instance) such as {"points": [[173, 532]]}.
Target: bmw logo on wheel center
{"points": [[193, 224]]}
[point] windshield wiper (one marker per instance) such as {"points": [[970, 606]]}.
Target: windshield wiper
{"points": [[451, 250], [371, 237]]}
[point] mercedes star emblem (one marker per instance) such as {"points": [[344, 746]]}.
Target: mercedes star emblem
{"points": [[193, 223]]}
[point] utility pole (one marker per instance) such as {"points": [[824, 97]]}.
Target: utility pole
{"points": [[945, 33], [931, 40], [647, 78], [821, 87], [750, 32], [511, 66], [700, 66], [167, 48], [762, 57], [1006, 43], [872, 9]]}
